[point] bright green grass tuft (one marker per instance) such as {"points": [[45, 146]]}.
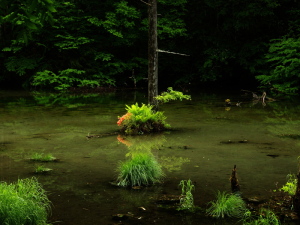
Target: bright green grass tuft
{"points": [[43, 158], [23, 203], [227, 205], [141, 170]]}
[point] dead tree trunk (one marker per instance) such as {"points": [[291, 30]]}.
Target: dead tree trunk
{"points": [[235, 187], [152, 54]]}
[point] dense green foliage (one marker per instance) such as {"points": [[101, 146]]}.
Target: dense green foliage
{"points": [[284, 60], [142, 120], [24, 202], [57, 45]]}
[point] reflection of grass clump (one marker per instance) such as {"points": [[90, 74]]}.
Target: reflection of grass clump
{"points": [[187, 199], [173, 163], [266, 217], [24, 202], [227, 205], [142, 169], [43, 158]]}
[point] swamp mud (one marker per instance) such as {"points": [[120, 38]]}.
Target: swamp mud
{"points": [[208, 137]]}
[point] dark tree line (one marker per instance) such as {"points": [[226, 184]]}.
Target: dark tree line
{"points": [[87, 43]]}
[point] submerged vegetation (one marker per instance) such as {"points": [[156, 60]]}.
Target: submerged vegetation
{"points": [[226, 204], [24, 202], [141, 170]]}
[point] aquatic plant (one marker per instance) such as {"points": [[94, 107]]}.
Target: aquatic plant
{"points": [[42, 169], [186, 199], [226, 204], [142, 119], [142, 169], [291, 185], [24, 202], [43, 158], [266, 217], [171, 95]]}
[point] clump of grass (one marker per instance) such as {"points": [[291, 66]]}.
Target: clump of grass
{"points": [[24, 202], [266, 217], [142, 169], [187, 199], [43, 158], [42, 169], [226, 204]]}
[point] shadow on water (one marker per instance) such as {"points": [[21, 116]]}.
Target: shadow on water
{"points": [[208, 139]]}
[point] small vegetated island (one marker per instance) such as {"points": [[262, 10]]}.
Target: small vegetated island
{"points": [[144, 119]]}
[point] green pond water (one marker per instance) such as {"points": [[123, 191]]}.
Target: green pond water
{"points": [[207, 141]]}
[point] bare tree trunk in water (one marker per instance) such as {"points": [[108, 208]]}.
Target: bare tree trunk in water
{"points": [[235, 187], [152, 55]]}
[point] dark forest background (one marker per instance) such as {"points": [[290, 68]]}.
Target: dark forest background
{"points": [[58, 45]]}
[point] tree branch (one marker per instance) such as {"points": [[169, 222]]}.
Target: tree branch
{"points": [[175, 53], [145, 2]]}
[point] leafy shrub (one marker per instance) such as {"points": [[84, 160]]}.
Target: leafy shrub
{"points": [[142, 119], [142, 169], [24, 202], [227, 205]]}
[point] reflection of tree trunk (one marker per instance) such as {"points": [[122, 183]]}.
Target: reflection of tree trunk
{"points": [[152, 54], [296, 199], [235, 187]]}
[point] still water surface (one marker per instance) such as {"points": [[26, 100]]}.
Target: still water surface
{"points": [[207, 141]]}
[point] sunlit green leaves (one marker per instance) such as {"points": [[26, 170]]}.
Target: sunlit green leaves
{"points": [[283, 57]]}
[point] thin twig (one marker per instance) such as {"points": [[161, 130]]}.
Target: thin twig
{"points": [[175, 53]]}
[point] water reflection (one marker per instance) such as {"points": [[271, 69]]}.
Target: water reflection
{"points": [[149, 144]]}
